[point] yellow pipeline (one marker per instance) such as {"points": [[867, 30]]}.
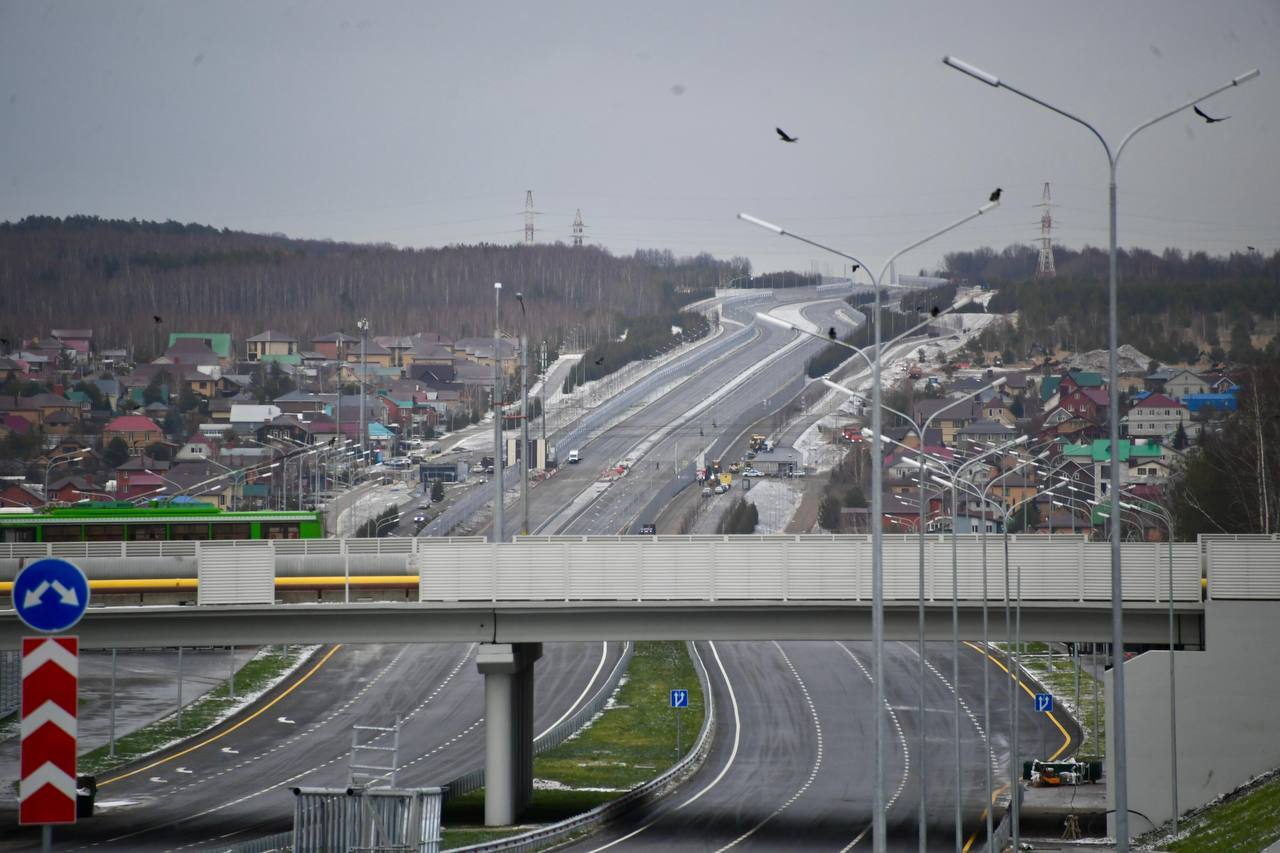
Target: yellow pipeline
{"points": [[171, 584]]}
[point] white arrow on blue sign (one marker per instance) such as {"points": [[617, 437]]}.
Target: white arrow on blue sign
{"points": [[679, 698], [50, 594], [1044, 701]]}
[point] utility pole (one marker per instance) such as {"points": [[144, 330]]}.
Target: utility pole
{"points": [[363, 325], [497, 413], [524, 434]]}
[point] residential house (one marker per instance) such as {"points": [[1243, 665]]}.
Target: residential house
{"points": [[286, 429], [36, 366], [1158, 416], [1074, 379], [270, 343], [1088, 403], [137, 431], [1095, 456], [304, 402], [400, 348], [10, 369], [38, 408], [986, 432], [1049, 392], [1013, 489], [248, 417], [197, 449], [1184, 383], [480, 351], [14, 494], [949, 416], [201, 480], [431, 349], [72, 488], [996, 409], [374, 354], [139, 484], [218, 342], [194, 353], [336, 346], [78, 341]]}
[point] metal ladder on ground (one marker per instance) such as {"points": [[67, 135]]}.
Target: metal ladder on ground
{"points": [[364, 769]]}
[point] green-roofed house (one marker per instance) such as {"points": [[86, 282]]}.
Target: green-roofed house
{"points": [[1049, 389], [1140, 462], [219, 342], [1074, 379]]}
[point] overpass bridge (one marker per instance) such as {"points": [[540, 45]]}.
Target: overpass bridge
{"points": [[511, 597]]}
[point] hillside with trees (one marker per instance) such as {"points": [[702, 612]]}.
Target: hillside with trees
{"points": [[1172, 306], [114, 276]]}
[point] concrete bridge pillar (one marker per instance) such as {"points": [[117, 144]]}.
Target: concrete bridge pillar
{"points": [[508, 722]]}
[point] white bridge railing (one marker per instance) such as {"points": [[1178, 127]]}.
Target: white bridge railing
{"points": [[699, 568], [795, 568]]}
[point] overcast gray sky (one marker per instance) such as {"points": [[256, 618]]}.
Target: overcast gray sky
{"points": [[422, 124]]}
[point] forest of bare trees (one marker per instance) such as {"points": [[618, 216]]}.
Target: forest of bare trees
{"points": [[113, 276]]}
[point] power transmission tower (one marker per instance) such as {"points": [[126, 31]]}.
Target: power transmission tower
{"points": [[1044, 269], [578, 228], [528, 217]]}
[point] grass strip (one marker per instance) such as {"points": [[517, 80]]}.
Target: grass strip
{"points": [[1061, 682], [632, 741], [257, 675], [1244, 821]]}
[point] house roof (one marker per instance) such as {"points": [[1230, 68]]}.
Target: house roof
{"points": [[131, 423], [191, 351], [1158, 401], [1085, 378], [1097, 396], [219, 342], [13, 423], [271, 335], [334, 338], [1049, 387], [985, 427], [954, 410], [246, 414], [1099, 450], [63, 334]]}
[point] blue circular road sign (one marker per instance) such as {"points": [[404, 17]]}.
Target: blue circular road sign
{"points": [[50, 594]]}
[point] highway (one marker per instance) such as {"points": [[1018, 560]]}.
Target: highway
{"points": [[233, 784], [791, 761]]}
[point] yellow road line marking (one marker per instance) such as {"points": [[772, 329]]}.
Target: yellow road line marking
{"points": [[983, 816], [309, 581], [224, 733], [1066, 738]]}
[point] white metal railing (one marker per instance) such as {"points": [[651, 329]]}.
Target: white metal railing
{"points": [[793, 568], [735, 568]]}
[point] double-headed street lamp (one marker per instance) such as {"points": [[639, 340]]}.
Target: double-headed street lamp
{"points": [[877, 504], [1120, 775]]}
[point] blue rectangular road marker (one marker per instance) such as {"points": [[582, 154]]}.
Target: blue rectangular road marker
{"points": [[679, 698], [1044, 701]]}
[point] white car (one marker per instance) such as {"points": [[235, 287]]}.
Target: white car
{"points": [[720, 490], [753, 472]]}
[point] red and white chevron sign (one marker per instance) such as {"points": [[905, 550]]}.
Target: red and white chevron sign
{"points": [[50, 677]]}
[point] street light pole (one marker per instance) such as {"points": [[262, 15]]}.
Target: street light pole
{"points": [[363, 325], [1120, 780], [497, 413], [878, 833]]}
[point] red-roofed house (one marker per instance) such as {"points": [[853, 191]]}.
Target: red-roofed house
{"points": [[16, 495], [1088, 403], [1158, 416], [136, 430]]}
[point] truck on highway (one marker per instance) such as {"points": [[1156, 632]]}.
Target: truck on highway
{"points": [[573, 457]]}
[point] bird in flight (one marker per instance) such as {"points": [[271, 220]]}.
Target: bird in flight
{"points": [[1207, 118], [782, 134], [935, 312], [156, 317], [600, 360], [853, 269], [1250, 248], [831, 332], [995, 196]]}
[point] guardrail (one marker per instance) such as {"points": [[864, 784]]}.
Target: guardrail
{"points": [[690, 762]]}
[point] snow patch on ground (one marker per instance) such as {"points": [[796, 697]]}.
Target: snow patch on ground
{"points": [[816, 449], [776, 501], [555, 785]]}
